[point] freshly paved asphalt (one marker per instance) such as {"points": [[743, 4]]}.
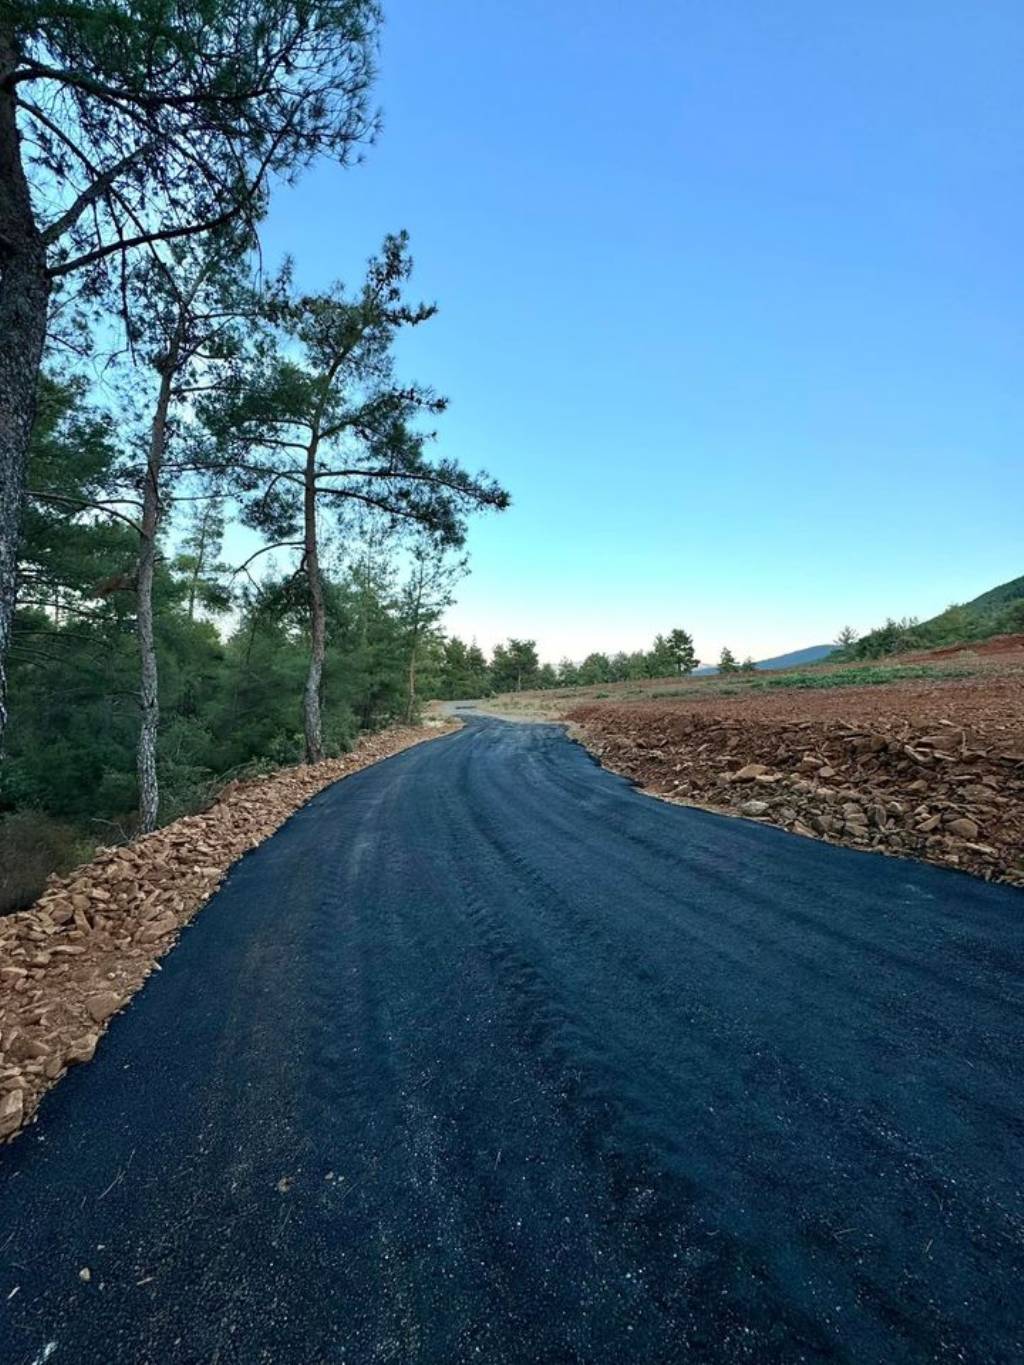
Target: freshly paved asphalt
{"points": [[488, 1057]]}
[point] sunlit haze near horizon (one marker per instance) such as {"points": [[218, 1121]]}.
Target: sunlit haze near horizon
{"points": [[730, 300]]}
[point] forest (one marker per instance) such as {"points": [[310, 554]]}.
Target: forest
{"points": [[167, 398]]}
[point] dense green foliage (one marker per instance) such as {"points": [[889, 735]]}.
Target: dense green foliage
{"points": [[130, 129], [232, 668], [1000, 611], [680, 646], [463, 671], [233, 650], [998, 598], [668, 655]]}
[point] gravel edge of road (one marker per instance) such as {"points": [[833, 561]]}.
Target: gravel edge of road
{"points": [[77, 956]]}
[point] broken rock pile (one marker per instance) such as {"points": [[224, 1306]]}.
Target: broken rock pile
{"points": [[927, 787], [75, 958]]}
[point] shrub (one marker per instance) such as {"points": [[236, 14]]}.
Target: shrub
{"points": [[33, 845]]}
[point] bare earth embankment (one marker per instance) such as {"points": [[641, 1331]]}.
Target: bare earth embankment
{"points": [[933, 770], [77, 956]]}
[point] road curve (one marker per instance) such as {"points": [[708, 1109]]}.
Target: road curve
{"points": [[488, 1057]]}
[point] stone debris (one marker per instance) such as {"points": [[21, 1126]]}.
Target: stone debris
{"points": [[940, 777], [102, 1006], [76, 957], [12, 1112]]}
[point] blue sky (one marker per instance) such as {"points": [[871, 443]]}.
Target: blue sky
{"points": [[731, 300]]}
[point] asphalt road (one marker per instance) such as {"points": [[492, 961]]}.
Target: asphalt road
{"points": [[488, 1057]]}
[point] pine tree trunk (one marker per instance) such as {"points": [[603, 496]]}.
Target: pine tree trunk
{"points": [[311, 707], [149, 686], [24, 301], [414, 650], [193, 585], [411, 702], [200, 564]]}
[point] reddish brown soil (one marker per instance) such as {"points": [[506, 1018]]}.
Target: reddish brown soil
{"points": [[75, 958], [999, 645], [929, 769]]}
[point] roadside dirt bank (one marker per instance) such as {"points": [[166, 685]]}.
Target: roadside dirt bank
{"points": [[929, 772], [74, 958]]}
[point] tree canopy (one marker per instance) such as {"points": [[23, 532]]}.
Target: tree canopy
{"points": [[129, 125]]}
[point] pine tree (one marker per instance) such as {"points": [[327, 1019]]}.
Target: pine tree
{"points": [[568, 673], [192, 318], [680, 648], [595, 668], [426, 595], [199, 556], [125, 124], [660, 658], [478, 677], [311, 437], [514, 665]]}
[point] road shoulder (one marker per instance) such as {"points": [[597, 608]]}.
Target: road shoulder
{"points": [[76, 957]]}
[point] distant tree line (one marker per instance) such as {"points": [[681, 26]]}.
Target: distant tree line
{"points": [[514, 666]]}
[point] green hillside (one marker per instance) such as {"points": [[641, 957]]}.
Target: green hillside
{"points": [[1000, 611], [998, 597]]}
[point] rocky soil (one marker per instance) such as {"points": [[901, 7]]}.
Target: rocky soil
{"points": [[933, 772], [77, 956]]}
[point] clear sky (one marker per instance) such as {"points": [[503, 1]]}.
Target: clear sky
{"points": [[731, 300]]}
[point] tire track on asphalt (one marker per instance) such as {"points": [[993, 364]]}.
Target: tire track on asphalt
{"points": [[488, 1056]]}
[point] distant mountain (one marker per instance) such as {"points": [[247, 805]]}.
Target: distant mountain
{"points": [[811, 655]]}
